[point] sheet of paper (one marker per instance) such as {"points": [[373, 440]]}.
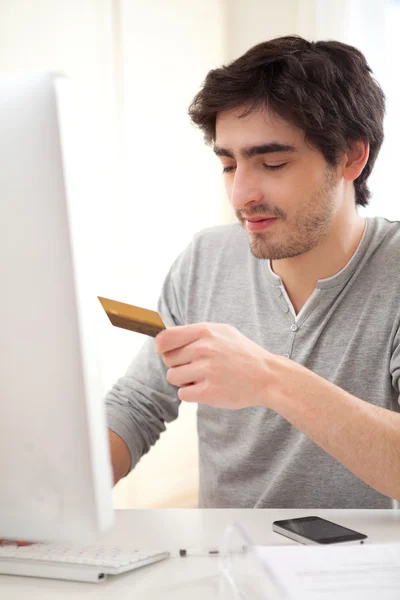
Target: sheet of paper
{"points": [[361, 572]]}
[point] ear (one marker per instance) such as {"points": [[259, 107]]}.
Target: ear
{"points": [[354, 159]]}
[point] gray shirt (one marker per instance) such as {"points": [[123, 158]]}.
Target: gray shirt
{"points": [[347, 332]]}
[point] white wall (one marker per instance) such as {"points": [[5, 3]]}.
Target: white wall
{"points": [[385, 56], [255, 21]]}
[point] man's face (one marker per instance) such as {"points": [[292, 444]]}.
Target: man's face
{"points": [[284, 193]]}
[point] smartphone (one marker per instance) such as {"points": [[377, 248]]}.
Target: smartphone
{"points": [[314, 530]]}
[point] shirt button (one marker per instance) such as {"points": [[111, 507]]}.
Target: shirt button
{"points": [[286, 355], [286, 309], [294, 327]]}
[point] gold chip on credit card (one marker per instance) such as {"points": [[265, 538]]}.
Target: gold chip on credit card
{"points": [[133, 318]]}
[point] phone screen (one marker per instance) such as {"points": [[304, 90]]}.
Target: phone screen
{"points": [[320, 530]]}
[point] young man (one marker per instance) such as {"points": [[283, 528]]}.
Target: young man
{"points": [[284, 328]]}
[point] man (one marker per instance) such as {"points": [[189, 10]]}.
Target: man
{"points": [[284, 328]]}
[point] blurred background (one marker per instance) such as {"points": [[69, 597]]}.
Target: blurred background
{"points": [[139, 63]]}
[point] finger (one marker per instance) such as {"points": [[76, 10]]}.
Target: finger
{"points": [[185, 374], [185, 355], [182, 335], [192, 393]]}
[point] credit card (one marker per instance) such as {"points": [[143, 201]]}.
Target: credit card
{"points": [[132, 317]]}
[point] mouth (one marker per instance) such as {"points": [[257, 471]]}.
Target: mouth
{"points": [[259, 223]]}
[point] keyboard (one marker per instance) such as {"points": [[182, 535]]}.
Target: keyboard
{"points": [[73, 562]]}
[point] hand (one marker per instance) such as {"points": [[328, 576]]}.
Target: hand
{"points": [[215, 364]]}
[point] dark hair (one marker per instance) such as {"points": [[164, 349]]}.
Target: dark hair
{"points": [[325, 88]]}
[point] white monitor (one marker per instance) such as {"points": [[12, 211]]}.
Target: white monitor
{"points": [[55, 472]]}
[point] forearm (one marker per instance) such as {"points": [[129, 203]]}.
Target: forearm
{"points": [[120, 456], [363, 437]]}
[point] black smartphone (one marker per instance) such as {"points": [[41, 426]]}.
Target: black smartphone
{"points": [[314, 530]]}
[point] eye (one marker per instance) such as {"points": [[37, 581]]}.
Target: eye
{"points": [[273, 167], [228, 169]]}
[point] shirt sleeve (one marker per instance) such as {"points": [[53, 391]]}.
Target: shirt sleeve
{"points": [[142, 401]]}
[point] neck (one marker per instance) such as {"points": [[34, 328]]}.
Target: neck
{"points": [[300, 274]]}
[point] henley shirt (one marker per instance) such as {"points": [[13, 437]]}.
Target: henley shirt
{"points": [[347, 332]]}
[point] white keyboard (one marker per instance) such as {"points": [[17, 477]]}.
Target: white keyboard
{"points": [[70, 561]]}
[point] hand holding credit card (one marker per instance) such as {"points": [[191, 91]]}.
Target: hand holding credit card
{"points": [[132, 317]]}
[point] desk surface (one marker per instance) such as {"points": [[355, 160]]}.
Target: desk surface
{"points": [[173, 529]]}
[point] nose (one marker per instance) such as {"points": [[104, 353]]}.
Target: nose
{"points": [[244, 189]]}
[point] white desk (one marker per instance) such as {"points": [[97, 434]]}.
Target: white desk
{"points": [[195, 577]]}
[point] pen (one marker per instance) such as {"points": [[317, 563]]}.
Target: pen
{"points": [[207, 551], [198, 552]]}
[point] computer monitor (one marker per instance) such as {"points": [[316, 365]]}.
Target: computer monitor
{"points": [[55, 472]]}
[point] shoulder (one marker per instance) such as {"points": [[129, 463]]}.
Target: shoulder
{"points": [[385, 237], [386, 228], [381, 261], [212, 250], [220, 236], [214, 243]]}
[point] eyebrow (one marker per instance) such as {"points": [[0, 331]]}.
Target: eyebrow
{"points": [[251, 151]]}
